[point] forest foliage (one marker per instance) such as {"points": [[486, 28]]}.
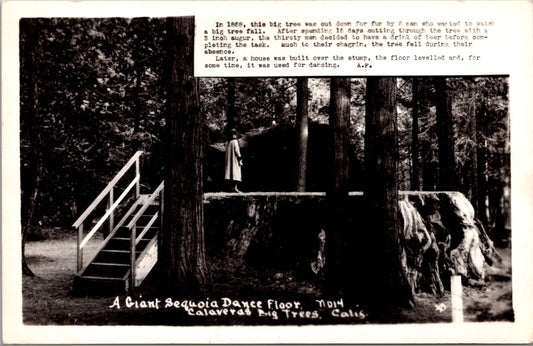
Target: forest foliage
{"points": [[101, 97]]}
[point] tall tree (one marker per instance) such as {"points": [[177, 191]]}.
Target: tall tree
{"points": [[473, 154], [182, 244], [415, 173], [338, 186], [137, 99], [445, 126], [302, 100], [389, 282], [427, 134], [28, 28], [481, 158], [429, 169]]}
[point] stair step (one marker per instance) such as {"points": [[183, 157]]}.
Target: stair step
{"points": [[124, 232], [115, 256], [99, 285], [147, 213], [119, 251], [124, 239], [139, 227], [110, 264], [102, 269], [124, 244], [106, 271], [151, 207], [120, 237], [143, 219], [104, 278]]}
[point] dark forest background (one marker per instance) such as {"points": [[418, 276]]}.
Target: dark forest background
{"points": [[96, 94]]}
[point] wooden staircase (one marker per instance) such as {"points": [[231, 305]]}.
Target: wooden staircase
{"points": [[127, 255]]}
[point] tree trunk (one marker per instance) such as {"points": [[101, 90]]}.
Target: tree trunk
{"points": [[465, 180], [447, 172], [238, 240], [137, 100], [231, 110], [496, 204], [481, 168], [182, 243], [29, 217], [428, 167], [415, 173], [389, 283], [337, 191], [473, 156], [302, 99], [29, 201]]}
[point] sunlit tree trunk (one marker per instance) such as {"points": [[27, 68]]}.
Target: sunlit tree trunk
{"points": [[473, 156], [302, 100], [415, 173], [182, 243]]}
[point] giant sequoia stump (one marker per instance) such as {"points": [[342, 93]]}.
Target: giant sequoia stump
{"points": [[440, 235], [278, 230]]}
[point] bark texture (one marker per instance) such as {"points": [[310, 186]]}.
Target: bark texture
{"points": [[137, 99], [429, 168], [337, 231], [279, 231], [481, 155], [445, 126], [473, 180], [302, 100], [415, 173], [239, 236], [31, 193], [389, 281], [182, 244]]}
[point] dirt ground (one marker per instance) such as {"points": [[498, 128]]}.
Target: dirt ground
{"points": [[48, 298]]}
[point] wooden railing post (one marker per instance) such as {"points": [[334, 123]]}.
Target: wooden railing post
{"points": [[133, 240], [138, 173], [161, 209], [79, 251], [112, 216]]}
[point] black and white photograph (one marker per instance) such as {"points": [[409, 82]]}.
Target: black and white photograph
{"points": [[328, 200], [151, 196]]}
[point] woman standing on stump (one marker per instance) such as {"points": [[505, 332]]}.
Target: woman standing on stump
{"points": [[233, 162]]}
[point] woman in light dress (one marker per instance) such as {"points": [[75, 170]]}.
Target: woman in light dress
{"points": [[233, 162]]}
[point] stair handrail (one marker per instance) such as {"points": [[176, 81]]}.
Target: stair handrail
{"points": [[112, 205], [156, 192], [111, 235], [132, 226], [146, 204], [108, 212], [105, 191]]}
